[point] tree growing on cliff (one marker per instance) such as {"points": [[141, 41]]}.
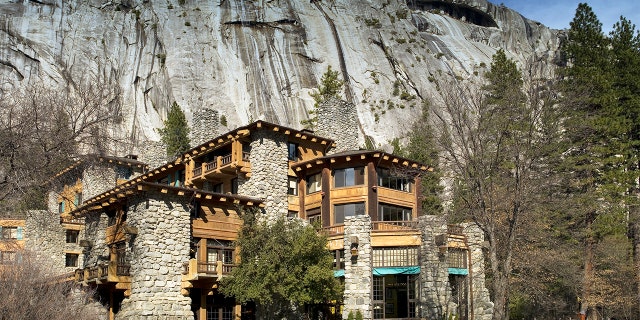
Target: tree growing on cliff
{"points": [[175, 133], [330, 88], [283, 264]]}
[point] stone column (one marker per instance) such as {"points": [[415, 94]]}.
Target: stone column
{"points": [[204, 126], [97, 179], [480, 301], [153, 153], [435, 295], [338, 120], [269, 168], [358, 271], [156, 255]]}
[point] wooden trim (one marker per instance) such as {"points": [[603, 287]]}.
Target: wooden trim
{"points": [[417, 183], [372, 195], [326, 189]]}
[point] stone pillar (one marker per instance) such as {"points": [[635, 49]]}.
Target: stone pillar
{"points": [[156, 255], [481, 301], [435, 295], [204, 126], [358, 271], [269, 168], [338, 120], [153, 153]]}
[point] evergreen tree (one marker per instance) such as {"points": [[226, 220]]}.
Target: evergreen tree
{"points": [[330, 88], [283, 264], [175, 133]]}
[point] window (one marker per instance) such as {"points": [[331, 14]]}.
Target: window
{"points": [[77, 200], [9, 233], [348, 177], [72, 236], [61, 207], [388, 180], [340, 211], [292, 214], [457, 258], [71, 260], [338, 259], [395, 257], [292, 151], [111, 215], [234, 185], [218, 188], [314, 183], [123, 173], [7, 257], [293, 186], [387, 212], [218, 250]]}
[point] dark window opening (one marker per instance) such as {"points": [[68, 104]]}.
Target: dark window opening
{"points": [[338, 259], [71, 260], [314, 183], [292, 151], [341, 211], [72, 236], [348, 177], [387, 212], [389, 180]]}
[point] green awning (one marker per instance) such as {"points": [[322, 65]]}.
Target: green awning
{"points": [[338, 273], [459, 271], [396, 270]]}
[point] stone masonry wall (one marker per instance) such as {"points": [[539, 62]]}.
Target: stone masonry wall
{"points": [[153, 153], [435, 297], [482, 305], [358, 271], [95, 232], [44, 237], [156, 255], [97, 179], [204, 126], [338, 120], [269, 167]]}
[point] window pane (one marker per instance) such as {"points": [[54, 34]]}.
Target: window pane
{"points": [[340, 211], [314, 183]]}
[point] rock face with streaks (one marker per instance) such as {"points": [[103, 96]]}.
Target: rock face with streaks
{"points": [[257, 59]]}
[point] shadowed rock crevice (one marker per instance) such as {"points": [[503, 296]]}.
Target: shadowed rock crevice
{"points": [[456, 10]]}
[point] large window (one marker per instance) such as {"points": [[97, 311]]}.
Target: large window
{"points": [[7, 257], [348, 177], [9, 233], [395, 257], [390, 180], [314, 217], [292, 151], [293, 186], [71, 260], [218, 250], [72, 236], [387, 212], [340, 211], [314, 183]]}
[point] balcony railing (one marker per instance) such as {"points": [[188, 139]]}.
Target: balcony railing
{"points": [[245, 156], [395, 225], [211, 165], [106, 272], [92, 273], [72, 220], [197, 171], [123, 270], [226, 159], [194, 269], [334, 230], [455, 229]]}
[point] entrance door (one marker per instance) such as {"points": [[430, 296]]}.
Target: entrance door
{"points": [[394, 297]]}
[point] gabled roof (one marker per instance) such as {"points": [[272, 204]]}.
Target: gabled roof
{"points": [[125, 190], [258, 125], [100, 158], [361, 154]]}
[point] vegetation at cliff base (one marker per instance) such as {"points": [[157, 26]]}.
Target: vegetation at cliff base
{"points": [[175, 133]]}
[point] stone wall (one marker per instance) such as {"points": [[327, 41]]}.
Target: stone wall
{"points": [[96, 179], [45, 238], [338, 120], [435, 296], [153, 153], [358, 271], [482, 305], [156, 255], [269, 168], [204, 126], [95, 232]]}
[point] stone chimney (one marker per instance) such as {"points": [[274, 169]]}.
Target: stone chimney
{"points": [[205, 125], [153, 153], [338, 120]]}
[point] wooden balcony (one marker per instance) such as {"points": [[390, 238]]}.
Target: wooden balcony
{"points": [[71, 220], [409, 225], [334, 230], [224, 164], [111, 272], [197, 270]]}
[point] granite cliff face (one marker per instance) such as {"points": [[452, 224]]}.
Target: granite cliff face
{"points": [[260, 59]]}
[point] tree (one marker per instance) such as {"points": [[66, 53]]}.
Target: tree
{"points": [[423, 148], [283, 264], [27, 292], [175, 133], [493, 144], [330, 87], [44, 129]]}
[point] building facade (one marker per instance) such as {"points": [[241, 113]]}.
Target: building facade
{"points": [[156, 245]]}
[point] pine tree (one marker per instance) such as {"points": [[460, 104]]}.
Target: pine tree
{"points": [[330, 88], [175, 133]]}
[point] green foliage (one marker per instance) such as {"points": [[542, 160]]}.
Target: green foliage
{"points": [[359, 315], [373, 22], [283, 263], [330, 88], [350, 316], [223, 120], [175, 133]]}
